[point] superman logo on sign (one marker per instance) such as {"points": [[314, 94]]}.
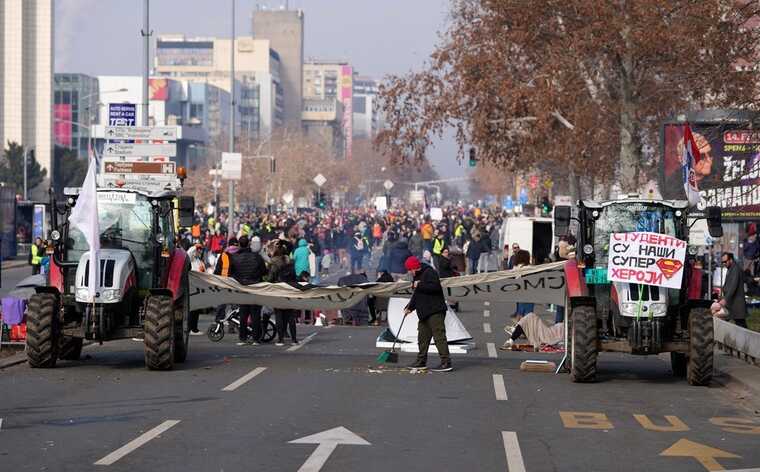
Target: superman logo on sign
{"points": [[669, 267]]}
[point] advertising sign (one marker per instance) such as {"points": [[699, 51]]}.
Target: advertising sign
{"points": [[159, 89], [38, 222], [646, 258], [727, 174], [347, 97], [122, 114], [63, 124]]}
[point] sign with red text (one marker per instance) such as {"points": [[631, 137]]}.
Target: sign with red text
{"points": [[646, 258]]}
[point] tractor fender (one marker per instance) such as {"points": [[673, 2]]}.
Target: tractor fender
{"points": [[576, 282], [55, 275], [179, 265], [582, 301], [48, 289], [160, 292]]}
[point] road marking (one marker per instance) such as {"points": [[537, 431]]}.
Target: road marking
{"points": [[705, 455], [737, 425], [756, 469], [486, 313], [498, 387], [326, 442], [585, 420], [242, 380], [300, 345], [512, 449], [137, 442], [486, 327], [675, 424], [491, 350], [487, 303], [1, 424]]}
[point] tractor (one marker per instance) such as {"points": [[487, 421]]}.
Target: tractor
{"points": [[143, 288], [636, 318]]}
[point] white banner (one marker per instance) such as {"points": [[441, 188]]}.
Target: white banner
{"points": [[646, 258], [543, 284]]}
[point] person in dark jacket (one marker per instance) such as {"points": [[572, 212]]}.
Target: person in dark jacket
{"points": [[399, 253], [446, 269], [474, 249], [378, 305], [733, 291], [429, 303], [248, 268], [281, 269]]}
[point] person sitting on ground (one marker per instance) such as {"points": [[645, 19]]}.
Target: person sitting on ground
{"points": [[536, 331]]}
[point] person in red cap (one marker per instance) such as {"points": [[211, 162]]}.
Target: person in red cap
{"points": [[430, 304]]}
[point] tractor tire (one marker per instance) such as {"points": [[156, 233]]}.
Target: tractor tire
{"points": [[699, 369], [182, 328], [42, 330], [678, 361], [583, 344], [70, 348], [159, 333]]}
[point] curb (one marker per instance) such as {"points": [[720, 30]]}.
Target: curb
{"points": [[15, 359], [7, 265]]}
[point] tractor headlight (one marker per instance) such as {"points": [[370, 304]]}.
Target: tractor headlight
{"points": [[595, 214], [658, 309], [83, 294], [588, 249], [693, 250], [55, 235], [679, 213], [110, 295], [628, 308]]}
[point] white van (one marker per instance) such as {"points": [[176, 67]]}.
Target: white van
{"points": [[534, 234]]}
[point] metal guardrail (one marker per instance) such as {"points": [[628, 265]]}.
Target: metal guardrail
{"points": [[737, 341]]}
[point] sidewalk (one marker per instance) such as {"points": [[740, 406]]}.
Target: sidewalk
{"points": [[14, 263], [733, 372]]}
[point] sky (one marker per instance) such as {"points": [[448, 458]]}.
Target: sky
{"points": [[379, 37]]}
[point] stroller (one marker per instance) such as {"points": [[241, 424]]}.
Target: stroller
{"points": [[215, 332]]}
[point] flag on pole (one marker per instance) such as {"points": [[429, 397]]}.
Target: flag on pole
{"points": [[84, 216], [690, 158]]}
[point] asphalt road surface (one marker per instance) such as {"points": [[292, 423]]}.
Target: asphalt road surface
{"points": [[10, 277], [231, 408]]}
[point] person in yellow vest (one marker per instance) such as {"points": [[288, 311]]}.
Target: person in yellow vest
{"points": [[439, 244], [36, 252]]}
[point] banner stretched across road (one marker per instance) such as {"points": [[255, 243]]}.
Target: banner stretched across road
{"points": [[537, 284], [646, 258]]}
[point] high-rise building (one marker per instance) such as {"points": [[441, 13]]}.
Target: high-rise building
{"points": [[75, 110], [259, 93], [328, 80], [284, 30], [367, 119], [26, 76]]}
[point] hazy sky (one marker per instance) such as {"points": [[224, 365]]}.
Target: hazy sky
{"points": [[379, 37]]}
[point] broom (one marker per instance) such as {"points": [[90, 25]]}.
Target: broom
{"points": [[391, 357]]}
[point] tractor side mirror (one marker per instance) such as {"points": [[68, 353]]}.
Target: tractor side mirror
{"points": [[561, 219], [714, 221], [186, 211]]}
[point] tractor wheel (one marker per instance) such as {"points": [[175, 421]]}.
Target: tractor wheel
{"points": [[42, 330], [699, 368], [181, 327], [159, 333], [70, 348], [678, 362], [583, 344]]}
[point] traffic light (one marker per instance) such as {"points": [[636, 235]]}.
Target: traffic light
{"points": [[320, 200], [546, 207], [473, 157], [273, 166]]}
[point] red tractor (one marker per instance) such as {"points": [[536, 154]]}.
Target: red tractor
{"points": [[632, 317], [143, 291]]}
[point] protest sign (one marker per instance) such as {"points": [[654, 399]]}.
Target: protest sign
{"points": [[646, 258]]}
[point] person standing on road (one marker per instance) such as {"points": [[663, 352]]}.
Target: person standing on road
{"points": [[733, 291], [429, 303], [282, 269], [223, 268], [248, 268], [35, 255]]}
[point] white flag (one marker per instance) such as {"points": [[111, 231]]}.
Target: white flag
{"points": [[84, 216]]}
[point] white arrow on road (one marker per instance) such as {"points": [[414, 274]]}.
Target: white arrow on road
{"points": [[327, 442]]}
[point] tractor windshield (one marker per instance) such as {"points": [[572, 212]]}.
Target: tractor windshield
{"points": [[125, 223], [626, 218]]}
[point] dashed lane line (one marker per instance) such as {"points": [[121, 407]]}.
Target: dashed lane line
{"points": [[486, 327], [491, 350], [487, 303], [300, 345], [137, 442], [242, 380], [498, 387], [486, 313], [512, 449]]}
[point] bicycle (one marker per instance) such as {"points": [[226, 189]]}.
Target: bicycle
{"points": [[216, 331]]}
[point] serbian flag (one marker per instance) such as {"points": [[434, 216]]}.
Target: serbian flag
{"points": [[690, 159]]}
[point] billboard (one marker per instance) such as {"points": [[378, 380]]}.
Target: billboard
{"points": [[347, 97], [159, 89], [122, 114], [728, 173], [63, 124]]}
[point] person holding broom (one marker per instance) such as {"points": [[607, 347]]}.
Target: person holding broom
{"points": [[430, 304]]}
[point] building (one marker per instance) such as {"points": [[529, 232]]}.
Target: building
{"points": [[26, 76], [328, 80], [207, 60], [322, 120], [75, 110], [284, 30], [366, 112]]}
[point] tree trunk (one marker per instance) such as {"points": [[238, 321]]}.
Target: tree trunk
{"points": [[630, 145]]}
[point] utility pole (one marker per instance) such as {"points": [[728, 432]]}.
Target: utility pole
{"points": [[230, 223], [146, 34], [26, 164]]}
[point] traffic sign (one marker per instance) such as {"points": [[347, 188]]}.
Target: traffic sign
{"points": [[139, 150], [122, 114], [388, 185], [139, 167], [232, 165], [165, 133], [320, 180], [288, 197]]}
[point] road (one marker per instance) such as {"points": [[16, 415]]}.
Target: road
{"points": [[231, 408], [11, 277]]}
